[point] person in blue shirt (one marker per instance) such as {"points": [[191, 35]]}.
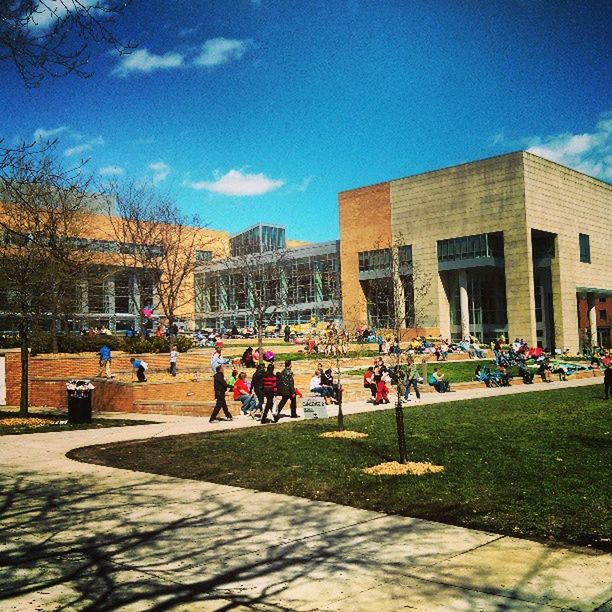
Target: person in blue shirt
{"points": [[141, 367], [105, 360]]}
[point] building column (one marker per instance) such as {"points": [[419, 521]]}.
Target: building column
{"points": [[317, 282], [464, 303], [592, 314]]}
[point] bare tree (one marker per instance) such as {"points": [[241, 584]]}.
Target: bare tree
{"points": [[397, 299], [257, 283], [158, 247], [42, 208], [51, 38]]}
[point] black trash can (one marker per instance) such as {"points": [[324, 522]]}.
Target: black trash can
{"points": [[79, 401]]}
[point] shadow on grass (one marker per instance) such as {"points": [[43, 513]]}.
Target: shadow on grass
{"points": [[82, 544]]}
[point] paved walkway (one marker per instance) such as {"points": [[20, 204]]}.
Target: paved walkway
{"points": [[79, 536]]}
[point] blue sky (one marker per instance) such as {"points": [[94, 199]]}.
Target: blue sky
{"points": [[250, 111]]}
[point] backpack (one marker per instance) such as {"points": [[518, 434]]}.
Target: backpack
{"points": [[431, 379]]}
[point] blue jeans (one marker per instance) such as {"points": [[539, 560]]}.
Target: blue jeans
{"points": [[249, 402], [323, 391], [413, 382]]}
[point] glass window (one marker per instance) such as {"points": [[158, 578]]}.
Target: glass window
{"points": [[585, 248], [202, 256]]}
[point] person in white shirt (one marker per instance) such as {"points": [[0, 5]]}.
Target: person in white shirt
{"points": [[173, 358]]}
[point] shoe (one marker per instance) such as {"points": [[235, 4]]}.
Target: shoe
{"points": [[214, 420], [295, 416], [387, 402], [265, 421], [229, 418]]}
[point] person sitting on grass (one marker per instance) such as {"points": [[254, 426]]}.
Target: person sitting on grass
{"points": [[502, 372], [526, 373], [437, 381], [544, 371], [248, 361], [243, 394], [140, 367]]}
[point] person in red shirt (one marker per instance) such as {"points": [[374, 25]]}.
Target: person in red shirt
{"points": [[242, 393], [368, 382], [269, 388], [382, 391]]}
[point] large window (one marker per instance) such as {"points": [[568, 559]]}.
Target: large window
{"points": [[585, 248], [379, 259], [471, 247]]}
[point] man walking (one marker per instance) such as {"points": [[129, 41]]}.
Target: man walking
{"points": [[105, 360], [220, 386], [285, 387]]}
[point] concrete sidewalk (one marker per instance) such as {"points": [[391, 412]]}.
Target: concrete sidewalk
{"points": [[82, 536]]}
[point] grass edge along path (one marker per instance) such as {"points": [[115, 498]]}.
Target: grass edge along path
{"points": [[534, 465]]}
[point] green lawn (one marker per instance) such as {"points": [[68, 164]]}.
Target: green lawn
{"points": [[54, 423], [532, 465], [455, 371]]}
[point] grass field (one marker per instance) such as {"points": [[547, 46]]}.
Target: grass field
{"points": [[11, 424], [454, 371], [531, 465]]}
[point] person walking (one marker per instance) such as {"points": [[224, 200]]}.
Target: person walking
{"points": [[269, 389], [412, 380], [257, 386], [173, 358], [105, 361], [220, 387], [608, 380], [285, 387], [216, 359]]}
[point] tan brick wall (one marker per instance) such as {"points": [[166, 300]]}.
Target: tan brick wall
{"points": [[568, 203], [474, 198], [365, 224]]}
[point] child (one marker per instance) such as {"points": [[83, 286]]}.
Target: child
{"points": [[382, 391], [173, 358], [141, 367]]}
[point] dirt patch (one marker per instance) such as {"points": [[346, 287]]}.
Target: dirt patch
{"points": [[393, 468], [352, 435]]}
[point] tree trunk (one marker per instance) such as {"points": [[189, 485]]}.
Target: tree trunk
{"points": [[401, 433], [54, 321], [340, 413], [260, 341], [24, 400]]}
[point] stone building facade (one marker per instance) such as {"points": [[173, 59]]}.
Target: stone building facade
{"points": [[505, 245]]}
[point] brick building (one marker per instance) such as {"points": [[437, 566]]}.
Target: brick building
{"points": [[507, 245]]}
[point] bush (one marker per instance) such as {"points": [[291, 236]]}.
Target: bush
{"points": [[69, 343]]}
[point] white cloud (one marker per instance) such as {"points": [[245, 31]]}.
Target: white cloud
{"points": [[49, 11], [82, 148], [111, 171], [142, 60], [160, 171], [235, 183], [43, 134], [217, 51], [590, 153]]}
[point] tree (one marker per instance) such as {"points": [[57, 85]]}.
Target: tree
{"points": [[157, 246], [51, 38], [42, 207], [257, 282], [397, 299]]}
